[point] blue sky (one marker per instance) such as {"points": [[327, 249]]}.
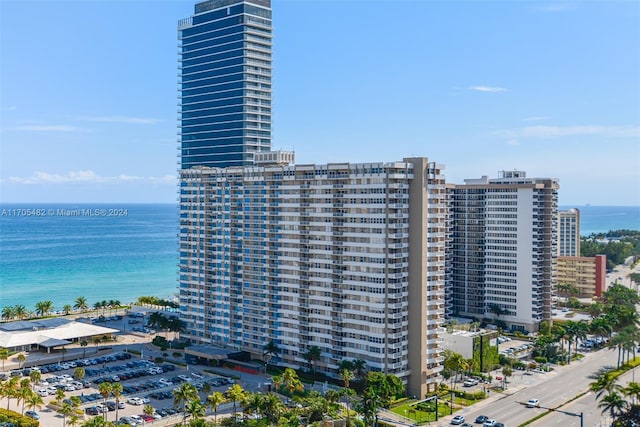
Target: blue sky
{"points": [[88, 95]]}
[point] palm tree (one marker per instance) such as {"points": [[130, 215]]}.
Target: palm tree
{"points": [[368, 406], [605, 382], [35, 377], [215, 399], [235, 393], [614, 404], [10, 389], [270, 350], [81, 304], [43, 308], [195, 409], [633, 390], [105, 391], [346, 376], [8, 312], [21, 358], [4, 355], [34, 401], [116, 391], [67, 309], [67, 410], [60, 395], [360, 368], [313, 355], [272, 407], [184, 394], [19, 311], [24, 392]]}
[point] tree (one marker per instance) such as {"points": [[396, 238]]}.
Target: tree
{"points": [[67, 309], [4, 355], [270, 351], [605, 382], [81, 304], [34, 401], [614, 404], [21, 358], [313, 355], [346, 376], [386, 387], [24, 392], [10, 389], [360, 368], [272, 407], [43, 308], [506, 372], [214, 400], [105, 391], [194, 408], [235, 393], [184, 394], [79, 373], [19, 312], [116, 391], [84, 344], [633, 390], [368, 406], [67, 410], [35, 376], [147, 410], [8, 312]]}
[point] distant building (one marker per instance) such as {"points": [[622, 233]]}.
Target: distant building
{"points": [[569, 233], [504, 249], [587, 274], [349, 258]]}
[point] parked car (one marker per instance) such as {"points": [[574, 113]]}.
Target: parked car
{"points": [[92, 410], [481, 419], [32, 414], [489, 423], [457, 420]]}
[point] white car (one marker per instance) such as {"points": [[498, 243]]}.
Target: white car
{"points": [[43, 392], [135, 401], [533, 403], [137, 419]]}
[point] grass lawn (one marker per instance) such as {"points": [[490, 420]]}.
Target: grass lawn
{"points": [[423, 412]]}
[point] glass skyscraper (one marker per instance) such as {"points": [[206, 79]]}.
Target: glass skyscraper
{"points": [[225, 83]]}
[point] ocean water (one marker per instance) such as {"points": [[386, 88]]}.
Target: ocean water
{"points": [[600, 219], [120, 252], [101, 252]]}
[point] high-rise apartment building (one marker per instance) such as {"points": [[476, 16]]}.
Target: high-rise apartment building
{"points": [[349, 258], [225, 83], [569, 233], [504, 248]]}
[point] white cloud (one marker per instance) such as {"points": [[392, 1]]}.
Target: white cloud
{"points": [[45, 128], [122, 119], [559, 131], [87, 176], [492, 89]]}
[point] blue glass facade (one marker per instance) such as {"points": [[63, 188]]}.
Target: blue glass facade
{"points": [[225, 83]]}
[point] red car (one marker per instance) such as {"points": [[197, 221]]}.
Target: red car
{"points": [[146, 418]]}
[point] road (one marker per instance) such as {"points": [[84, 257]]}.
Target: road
{"points": [[588, 405], [552, 389]]}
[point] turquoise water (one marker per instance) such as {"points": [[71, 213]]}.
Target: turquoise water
{"points": [[121, 257], [59, 258]]}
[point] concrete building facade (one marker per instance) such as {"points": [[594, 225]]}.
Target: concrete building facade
{"points": [[587, 274], [504, 248], [349, 258]]}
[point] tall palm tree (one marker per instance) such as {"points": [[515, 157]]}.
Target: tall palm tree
{"points": [[614, 404], [34, 401], [66, 410], [35, 377], [23, 392], [214, 400], [270, 351], [184, 394], [605, 382], [8, 312], [21, 359], [105, 389], [633, 390], [272, 407], [313, 355], [67, 309], [290, 380], [236, 394], [10, 389], [20, 312], [346, 376], [80, 304], [43, 308], [116, 391], [195, 409], [4, 355]]}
